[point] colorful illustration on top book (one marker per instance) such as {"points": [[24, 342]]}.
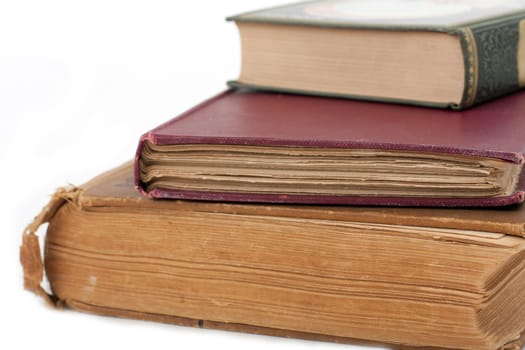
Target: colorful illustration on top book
{"points": [[394, 12], [400, 8]]}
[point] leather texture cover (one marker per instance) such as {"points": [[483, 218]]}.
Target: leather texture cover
{"points": [[244, 117]]}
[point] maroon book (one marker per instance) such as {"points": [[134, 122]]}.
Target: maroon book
{"points": [[248, 146]]}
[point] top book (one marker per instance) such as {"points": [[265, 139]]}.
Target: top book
{"points": [[427, 52]]}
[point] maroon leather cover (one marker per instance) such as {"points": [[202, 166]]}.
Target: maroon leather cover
{"points": [[242, 117]]}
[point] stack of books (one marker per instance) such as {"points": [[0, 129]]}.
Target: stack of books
{"points": [[314, 198]]}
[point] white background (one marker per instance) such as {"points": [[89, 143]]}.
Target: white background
{"points": [[80, 81]]}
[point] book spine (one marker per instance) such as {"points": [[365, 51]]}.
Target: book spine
{"points": [[494, 59], [30, 256], [136, 168]]}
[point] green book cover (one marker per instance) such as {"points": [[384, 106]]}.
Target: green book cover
{"points": [[488, 30]]}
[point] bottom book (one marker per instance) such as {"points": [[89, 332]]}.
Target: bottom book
{"points": [[408, 277]]}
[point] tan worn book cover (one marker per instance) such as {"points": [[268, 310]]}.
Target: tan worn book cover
{"points": [[408, 277]]}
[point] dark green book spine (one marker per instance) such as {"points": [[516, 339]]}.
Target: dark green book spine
{"points": [[492, 66]]}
